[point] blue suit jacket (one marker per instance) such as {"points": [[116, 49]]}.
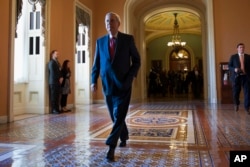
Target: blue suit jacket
{"points": [[117, 74], [234, 62]]}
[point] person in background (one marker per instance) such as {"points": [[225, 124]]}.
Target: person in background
{"points": [[55, 80], [152, 87], [197, 82], [117, 61], [239, 66], [66, 73]]}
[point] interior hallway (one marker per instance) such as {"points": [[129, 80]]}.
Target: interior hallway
{"points": [[162, 133]]}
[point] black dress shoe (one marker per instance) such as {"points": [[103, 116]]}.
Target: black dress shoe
{"points": [[236, 108], [111, 154], [55, 112], [123, 144]]}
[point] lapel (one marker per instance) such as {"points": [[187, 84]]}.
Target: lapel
{"points": [[106, 43], [118, 43], [245, 61], [238, 60], [56, 63]]}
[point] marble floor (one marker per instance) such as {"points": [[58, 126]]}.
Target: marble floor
{"points": [[174, 133]]}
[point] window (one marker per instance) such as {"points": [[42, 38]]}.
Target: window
{"points": [[28, 41], [82, 44]]}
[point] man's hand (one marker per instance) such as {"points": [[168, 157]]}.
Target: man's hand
{"points": [[93, 87], [237, 70], [61, 80]]}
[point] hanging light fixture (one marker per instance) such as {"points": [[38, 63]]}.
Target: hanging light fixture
{"points": [[33, 3], [176, 42]]}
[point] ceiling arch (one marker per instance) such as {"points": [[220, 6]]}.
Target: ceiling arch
{"points": [[158, 18], [164, 21], [161, 23]]}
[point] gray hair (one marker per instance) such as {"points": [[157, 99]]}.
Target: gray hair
{"points": [[115, 14]]}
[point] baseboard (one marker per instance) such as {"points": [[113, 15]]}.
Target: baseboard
{"points": [[3, 119]]}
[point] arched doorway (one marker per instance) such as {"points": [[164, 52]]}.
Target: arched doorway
{"points": [[175, 36], [137, 13], [180, 61]]}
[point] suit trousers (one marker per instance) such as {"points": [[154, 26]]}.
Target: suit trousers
{"points": [[118, 107], [55, 91], [239, 82]]}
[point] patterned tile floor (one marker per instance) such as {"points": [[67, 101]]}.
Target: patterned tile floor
{"points": [[70, 139]]}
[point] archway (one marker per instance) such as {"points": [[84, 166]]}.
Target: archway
{"points": [[135, 11]]}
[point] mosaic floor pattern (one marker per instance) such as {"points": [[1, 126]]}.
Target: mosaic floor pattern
{"points": [[78, 155], [165, 134], [8, 150], [175, 126]]}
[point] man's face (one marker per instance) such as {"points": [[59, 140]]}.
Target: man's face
{"points": [[112, 24], [241, 48], [55, 55]]}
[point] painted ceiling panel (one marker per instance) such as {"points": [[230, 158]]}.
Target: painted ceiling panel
{"points": [[188, 22]]}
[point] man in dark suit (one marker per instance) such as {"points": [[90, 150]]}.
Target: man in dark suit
{"points": [[239, 66], [117, 68], [55, 80]]}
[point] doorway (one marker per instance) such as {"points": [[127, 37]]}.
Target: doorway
{"points": [[206, 44], [82, 55], [29, 60], [180, 61]]}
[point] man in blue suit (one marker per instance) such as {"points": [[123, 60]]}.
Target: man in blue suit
{"points": [[239, 66], [117, 68]]}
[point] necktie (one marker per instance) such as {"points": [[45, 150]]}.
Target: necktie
{"points": [[112, 47], [242, 63]]}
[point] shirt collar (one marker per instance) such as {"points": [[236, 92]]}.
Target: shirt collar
{"points": [[115, 36]]}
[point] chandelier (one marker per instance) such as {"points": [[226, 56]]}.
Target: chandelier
{"points": [[176, 42]]}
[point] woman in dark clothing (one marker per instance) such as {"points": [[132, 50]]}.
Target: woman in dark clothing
{"points": [[66, 73]]}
